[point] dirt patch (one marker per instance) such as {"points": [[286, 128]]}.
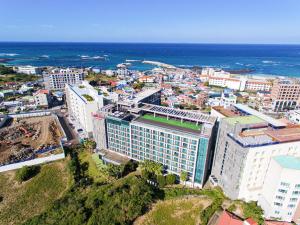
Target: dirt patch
{"points": [[24, 136]]}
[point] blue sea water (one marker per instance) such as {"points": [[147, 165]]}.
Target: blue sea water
{"points": [[281, 60]]}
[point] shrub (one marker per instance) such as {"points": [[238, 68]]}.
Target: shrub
{"points": [[251, 209], [207, 213], [27, 172], [232, 208], [115, 170], [145, 174], [170, 179], [161, 180]]}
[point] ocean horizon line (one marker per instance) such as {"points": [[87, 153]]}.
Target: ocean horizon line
{"points": [[164, 43]]}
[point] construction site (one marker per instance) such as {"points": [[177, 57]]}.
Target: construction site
{"points": [[27, 138]]}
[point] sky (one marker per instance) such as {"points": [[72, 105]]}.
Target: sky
{"points": [[163, 21]]}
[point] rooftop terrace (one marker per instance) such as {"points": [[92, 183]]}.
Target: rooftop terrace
{"points": [[172, 122], [268, 119], [226, 112], [245, 120], [178, 113]]}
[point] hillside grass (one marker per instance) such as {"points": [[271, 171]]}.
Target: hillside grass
{"points": [[95, 168], [22, 201], [181, 211]]}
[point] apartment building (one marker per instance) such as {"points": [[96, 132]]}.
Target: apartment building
{"points": [[180, 140], [258, 85], [285, 94], [56, 79], [280, 197], [42, 98], [82, 101]]}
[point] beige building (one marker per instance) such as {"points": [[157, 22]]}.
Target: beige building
{"points": [[42, 98], [285, 94]]}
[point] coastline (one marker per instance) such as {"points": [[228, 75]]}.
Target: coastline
{"points": [[259, 60]]}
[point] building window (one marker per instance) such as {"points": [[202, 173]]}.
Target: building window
{"points": [[282, 191]]}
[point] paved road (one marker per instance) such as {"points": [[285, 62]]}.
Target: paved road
{"points": [[71, 135]]}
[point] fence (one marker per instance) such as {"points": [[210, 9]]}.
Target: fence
{"points": [[32, 162], [30, 114]]}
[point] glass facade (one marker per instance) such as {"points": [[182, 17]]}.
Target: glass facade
{"points": [[118, 136], [201, 160]]}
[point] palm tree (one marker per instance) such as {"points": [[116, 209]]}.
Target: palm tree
{"points": [[151, 167]]}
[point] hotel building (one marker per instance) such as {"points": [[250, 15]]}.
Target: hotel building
{"points": [[247, 144], [56, 79], [285, 95], [180, 140], [83, 100]]}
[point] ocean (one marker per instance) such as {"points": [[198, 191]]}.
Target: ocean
{"points": [[282, 60]]}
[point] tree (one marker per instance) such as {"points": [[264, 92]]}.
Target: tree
{"points": [[89, 144], [183, 176], [161, 180], [170, 179], [129, 167], [115, 170], [27, 172], [152, 167]]}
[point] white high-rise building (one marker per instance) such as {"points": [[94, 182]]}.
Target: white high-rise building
{"points": [[246, 146], [281, 189], [83, 100]]}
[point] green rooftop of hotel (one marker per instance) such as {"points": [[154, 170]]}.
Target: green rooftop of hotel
{"points": [[178, 123], [289, 162], [244, 120]]}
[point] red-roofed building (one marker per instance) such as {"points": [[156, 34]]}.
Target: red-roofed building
{"points": [[250, 221], [228, 218]]}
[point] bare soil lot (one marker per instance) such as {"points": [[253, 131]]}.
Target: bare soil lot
{"points": [[24, 136]]}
